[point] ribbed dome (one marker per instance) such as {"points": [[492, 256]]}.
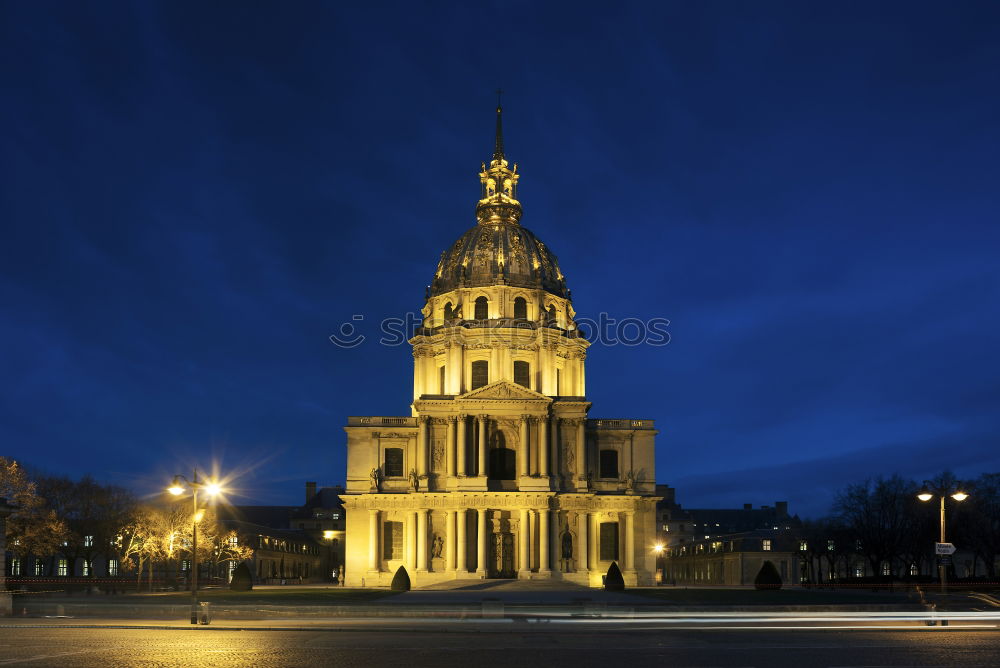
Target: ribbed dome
{"points": [[498, 254]]}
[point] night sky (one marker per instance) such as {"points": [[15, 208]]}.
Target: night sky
{"points": [[195, 195]]}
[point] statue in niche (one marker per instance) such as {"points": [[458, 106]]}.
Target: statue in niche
{"points": [[567, 545], [508, 187], [630, 482], [376, 477], [590, 481], [491, 187], [437, 545], [414, 480]]}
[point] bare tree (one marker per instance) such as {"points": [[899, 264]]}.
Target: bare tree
{"points": [[876, 514]]}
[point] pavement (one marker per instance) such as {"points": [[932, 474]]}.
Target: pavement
{"points": [[574, 645]]}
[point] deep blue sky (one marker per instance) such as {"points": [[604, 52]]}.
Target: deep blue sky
{"points": [[195, 195]]}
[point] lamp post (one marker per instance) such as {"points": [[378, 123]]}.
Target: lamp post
{"points": [[926, 494], [177, 488]]}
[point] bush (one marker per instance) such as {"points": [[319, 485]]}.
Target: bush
{"points": [[400, 581], [614, 581], [242, 580], [768, 577]]}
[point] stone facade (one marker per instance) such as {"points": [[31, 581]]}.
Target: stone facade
{"points": [[498, 471]]}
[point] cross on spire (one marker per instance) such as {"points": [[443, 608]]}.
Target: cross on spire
{"points": [[498, 150]]}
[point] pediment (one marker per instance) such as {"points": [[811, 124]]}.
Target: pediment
{"points": [[505, 390]]}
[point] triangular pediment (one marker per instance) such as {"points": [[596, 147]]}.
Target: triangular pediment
{"points": [[506, 390]]}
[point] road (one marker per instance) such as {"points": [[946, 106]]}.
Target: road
{"points": [[518, 645]]}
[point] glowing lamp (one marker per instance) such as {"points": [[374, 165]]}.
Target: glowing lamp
{"points": [[960, 496], [925, 495], [213, 489]]}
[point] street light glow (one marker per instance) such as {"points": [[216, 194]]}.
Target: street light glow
{"points": [[328, 534], [176, 490], [960, 496], [925, 496], [658, 548], [213, 489]]}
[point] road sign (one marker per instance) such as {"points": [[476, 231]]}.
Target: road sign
{"points": [[944, 548], [944, 560]]}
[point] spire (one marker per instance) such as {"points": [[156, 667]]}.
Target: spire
{"points": [[498, 151], [498, 203]]}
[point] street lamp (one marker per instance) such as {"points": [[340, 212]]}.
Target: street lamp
{"points": [[927, 493], [212, 489]]}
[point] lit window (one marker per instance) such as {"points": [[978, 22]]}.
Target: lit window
{"points": [[112, 567], [803, 546], [666, 527], [914, 570], [86, 567], [234, 540], [39, 567], [335, 516], [766, 544], [62, 567], [886, 570], [830, 545], [186, 565], [859, 572], [88, 541], [15, 566]]}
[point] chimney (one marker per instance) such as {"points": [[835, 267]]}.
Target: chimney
{"points": [[781, 509], [310, 491], [747, 506]]}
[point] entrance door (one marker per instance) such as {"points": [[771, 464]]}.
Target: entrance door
{"points": [[502, 557]]}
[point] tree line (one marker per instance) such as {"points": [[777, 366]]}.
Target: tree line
{"points": [[880, 522], [85, 521]]}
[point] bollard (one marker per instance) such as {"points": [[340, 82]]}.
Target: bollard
{"points": [[206, 614]]}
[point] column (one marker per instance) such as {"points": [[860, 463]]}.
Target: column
{"points": [[421, 540], [462, 427], [594, 537], [629, 541], [543, 446], [581, 542], [555, 546], [450, 453], [422, 445], [411, 540], [544, 554], [523, 538], [373, 552], [449, 542], [461, 543], [481, 543], [482, 446], [522, 450], [581, 452], [554, 446]]}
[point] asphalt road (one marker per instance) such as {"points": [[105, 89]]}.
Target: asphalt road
{"points": [[454, 646]]}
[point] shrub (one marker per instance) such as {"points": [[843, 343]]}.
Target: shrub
{"points": [[242, 580], [768, 577], [400, 581], [614, 581]]}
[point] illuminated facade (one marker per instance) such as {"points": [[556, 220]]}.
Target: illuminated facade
{"points": [[498, 472]]}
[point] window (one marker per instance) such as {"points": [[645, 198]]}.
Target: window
{"points": [[62, 567], [666, 527], [88, 541], [914, 570], [393, 463], [803, 546], [392, 540], [441, 380], [39, 567], [886, 570], [859, 572], [522, 374], [520, 308], [609, 541], [86, 567], [482, 310], [15, 566], [502, 464], [234, 540], [112, 567], [185, 564], [609, 464], [830, 546], [480, 373], [335, 516], [766, 544], [229, 575]]}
